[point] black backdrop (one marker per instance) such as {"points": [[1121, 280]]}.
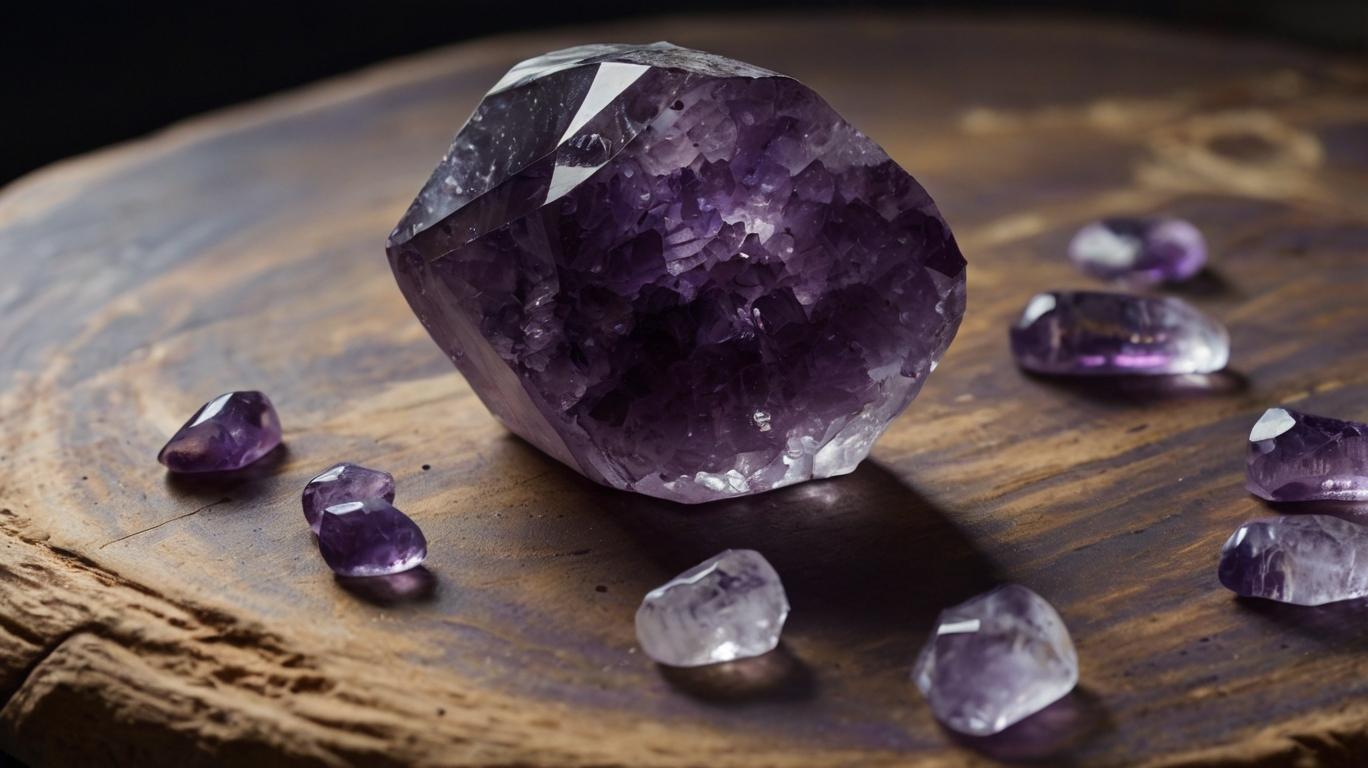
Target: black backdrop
{"points": [[78, 75]]}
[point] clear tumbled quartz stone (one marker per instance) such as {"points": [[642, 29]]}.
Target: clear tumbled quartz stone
{"points": [[731, 606], [994, 660]]}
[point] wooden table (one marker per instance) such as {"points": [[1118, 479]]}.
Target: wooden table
{"points": [[148, 621]]}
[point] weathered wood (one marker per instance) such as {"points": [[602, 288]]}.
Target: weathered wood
{"points": [[153, 622]]}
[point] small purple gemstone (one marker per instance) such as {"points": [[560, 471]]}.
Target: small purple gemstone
{"points": [[226, 433], [1299, 457], [1094, 333], [1300, 559], [679, 274], [369, 538], [343, 483], [1144, 251], [994, 660]]}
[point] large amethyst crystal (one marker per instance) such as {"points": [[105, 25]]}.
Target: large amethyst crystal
{"points": [[679, 274]]}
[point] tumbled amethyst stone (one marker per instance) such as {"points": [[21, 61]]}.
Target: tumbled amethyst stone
{"points": [[995, 659], [1301, 559], [343, 483], [1139, 250], [226, 433], [1094, 333], [679, 274], [369, 538], [1295, 456]]}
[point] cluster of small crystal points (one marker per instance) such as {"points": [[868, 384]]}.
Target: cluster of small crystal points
{"points": [[679, 274]]}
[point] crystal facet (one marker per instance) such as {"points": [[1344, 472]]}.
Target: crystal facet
{"points": [[343, 483], [679, 274], [226, 433], [1142, 251], [369, 538], [731, 606], [1301, 559], [1299, 457], [995, 659], [1094, 333]]}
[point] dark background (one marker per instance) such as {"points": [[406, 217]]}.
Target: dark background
{"points": [[79, 76]]}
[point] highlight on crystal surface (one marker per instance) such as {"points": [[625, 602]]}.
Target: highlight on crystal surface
{"points": [[731, 606], [1300, 559], [369, 538], [1096, 333], [995, 659], [679, 274], [226, 433], [342, 483], [1296, 456], [1139, 250]]}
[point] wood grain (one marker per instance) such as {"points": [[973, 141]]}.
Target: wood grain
{"points": [[154, 622]]}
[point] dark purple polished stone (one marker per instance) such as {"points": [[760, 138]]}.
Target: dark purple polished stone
{"points": [[1143, 251], [369, 538], [226, 433], [343, 483], [1092, 333], [1299, 457], [679, 274]]}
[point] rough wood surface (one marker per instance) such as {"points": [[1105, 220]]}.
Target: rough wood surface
{"points": [[150, 622]]}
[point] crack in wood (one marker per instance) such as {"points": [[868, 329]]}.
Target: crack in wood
{"points": [[126, 537]]}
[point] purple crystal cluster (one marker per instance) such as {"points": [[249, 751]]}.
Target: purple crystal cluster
{"points": [[1299, 559], [1096, 333], [994, 660], [1299, 457], [1139, 250], [225, 434], [360, 533], [679, 274]]}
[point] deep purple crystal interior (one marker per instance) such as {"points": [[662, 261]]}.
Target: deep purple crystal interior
{"points": [[343, 483], [679, 274], [1299, 559], [1296, 456], [1139, 250], [1099, 333], [369, 538], [225, 434]]}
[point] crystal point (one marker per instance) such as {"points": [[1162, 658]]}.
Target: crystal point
{"points": [[1300, 559], [1096, 333], [369, 538], [226, 433], [342, 483], [1295, 456], [731, 606], [995, 659], [679, 274], [1139, 250]]}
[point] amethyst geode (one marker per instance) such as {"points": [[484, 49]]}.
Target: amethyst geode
{"points": [[679, 274]]}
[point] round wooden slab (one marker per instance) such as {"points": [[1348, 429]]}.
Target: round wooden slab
{"points": [[150, 621]]}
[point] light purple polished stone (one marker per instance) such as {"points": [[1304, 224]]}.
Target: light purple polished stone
{"points": [[731, 606], [679, 274], [1094, 333], [369, 538], [226, 433], [1301, 559], [343, 483], [1295, 456], [996, 659], [1139, 250]]}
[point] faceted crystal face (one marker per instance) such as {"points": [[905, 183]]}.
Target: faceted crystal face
{"points": [[1301, 559], [679, 274], [369, 538], [226, 433], [1299, 457], [1143, 251], [1093, 333], [995, 659], [343, 483], [729, 607]]}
